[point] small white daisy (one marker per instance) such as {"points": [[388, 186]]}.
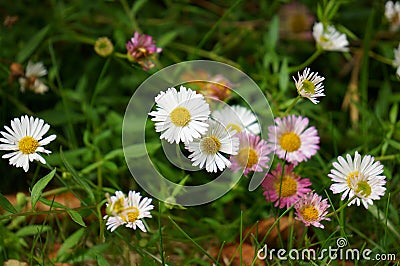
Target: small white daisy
{"points": [[309, 85], [208, 149], [31, 78], [361, 177], [392, 14], [24, 139], [238, 118], [180, 116], [329, 38], [127, 211]]}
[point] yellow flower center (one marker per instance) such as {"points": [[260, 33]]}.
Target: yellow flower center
{"points": [[210, 145], [247, 157], [351, 176], [298, 23], [308, 86], [234, 127], [180, 116], [131, 214], [309, 213], [290, 142], [363, 188], [28, 145], [287, 188], [118, 206]]}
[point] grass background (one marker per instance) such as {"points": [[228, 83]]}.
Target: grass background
{"points": [[88, 96]]}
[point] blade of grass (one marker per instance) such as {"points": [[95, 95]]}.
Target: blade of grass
{"points": [[192, 240]]}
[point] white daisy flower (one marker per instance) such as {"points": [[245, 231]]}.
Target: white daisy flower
{"points": [[128, 211], [24, 139], [180, 116], [237, 118], [392, 14], [329, 38], [31, 79], [208, 149], [361, 177], [309, 85]]}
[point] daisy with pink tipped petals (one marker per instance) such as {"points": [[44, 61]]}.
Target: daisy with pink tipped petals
{"points": [[360, 177], [292, 140], [252, 155], [311, 209], [287, 190]]}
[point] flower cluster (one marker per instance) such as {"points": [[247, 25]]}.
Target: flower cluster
{"points": [[216, 139], [127, 210]]}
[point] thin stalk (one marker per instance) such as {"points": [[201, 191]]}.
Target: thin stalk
{"points": [[341, 207], [306, 63], [291, 105]]}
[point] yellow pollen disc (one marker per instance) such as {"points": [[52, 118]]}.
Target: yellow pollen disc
{"points": [[289, 187], [309, 213], [180, 116], [351, 176], [210, 145], [234, 127], [290, 142], [28, 145], [118, 206], [247, 157], [132, 213], [298, 23], [308, 86], [363, 188]]}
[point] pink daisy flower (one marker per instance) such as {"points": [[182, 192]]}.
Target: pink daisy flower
{"points": [[286, 191], [141, 49], [311, 209], [292, 140], [252, 154]]}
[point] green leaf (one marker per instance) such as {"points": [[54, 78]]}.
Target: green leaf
{"points": [[283, 75], [70, 242], [30, 230], [272, 36], [6, 205], [394, 144], [138, 5], [76, 176], [52, 204], [39, 186], [394, 111], [32, 44], [101, 261], [76, 217]]}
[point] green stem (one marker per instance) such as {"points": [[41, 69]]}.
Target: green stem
{"points": [[306, 63], [291, 105], [380, 58], [130, 14], [341, 207]]}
